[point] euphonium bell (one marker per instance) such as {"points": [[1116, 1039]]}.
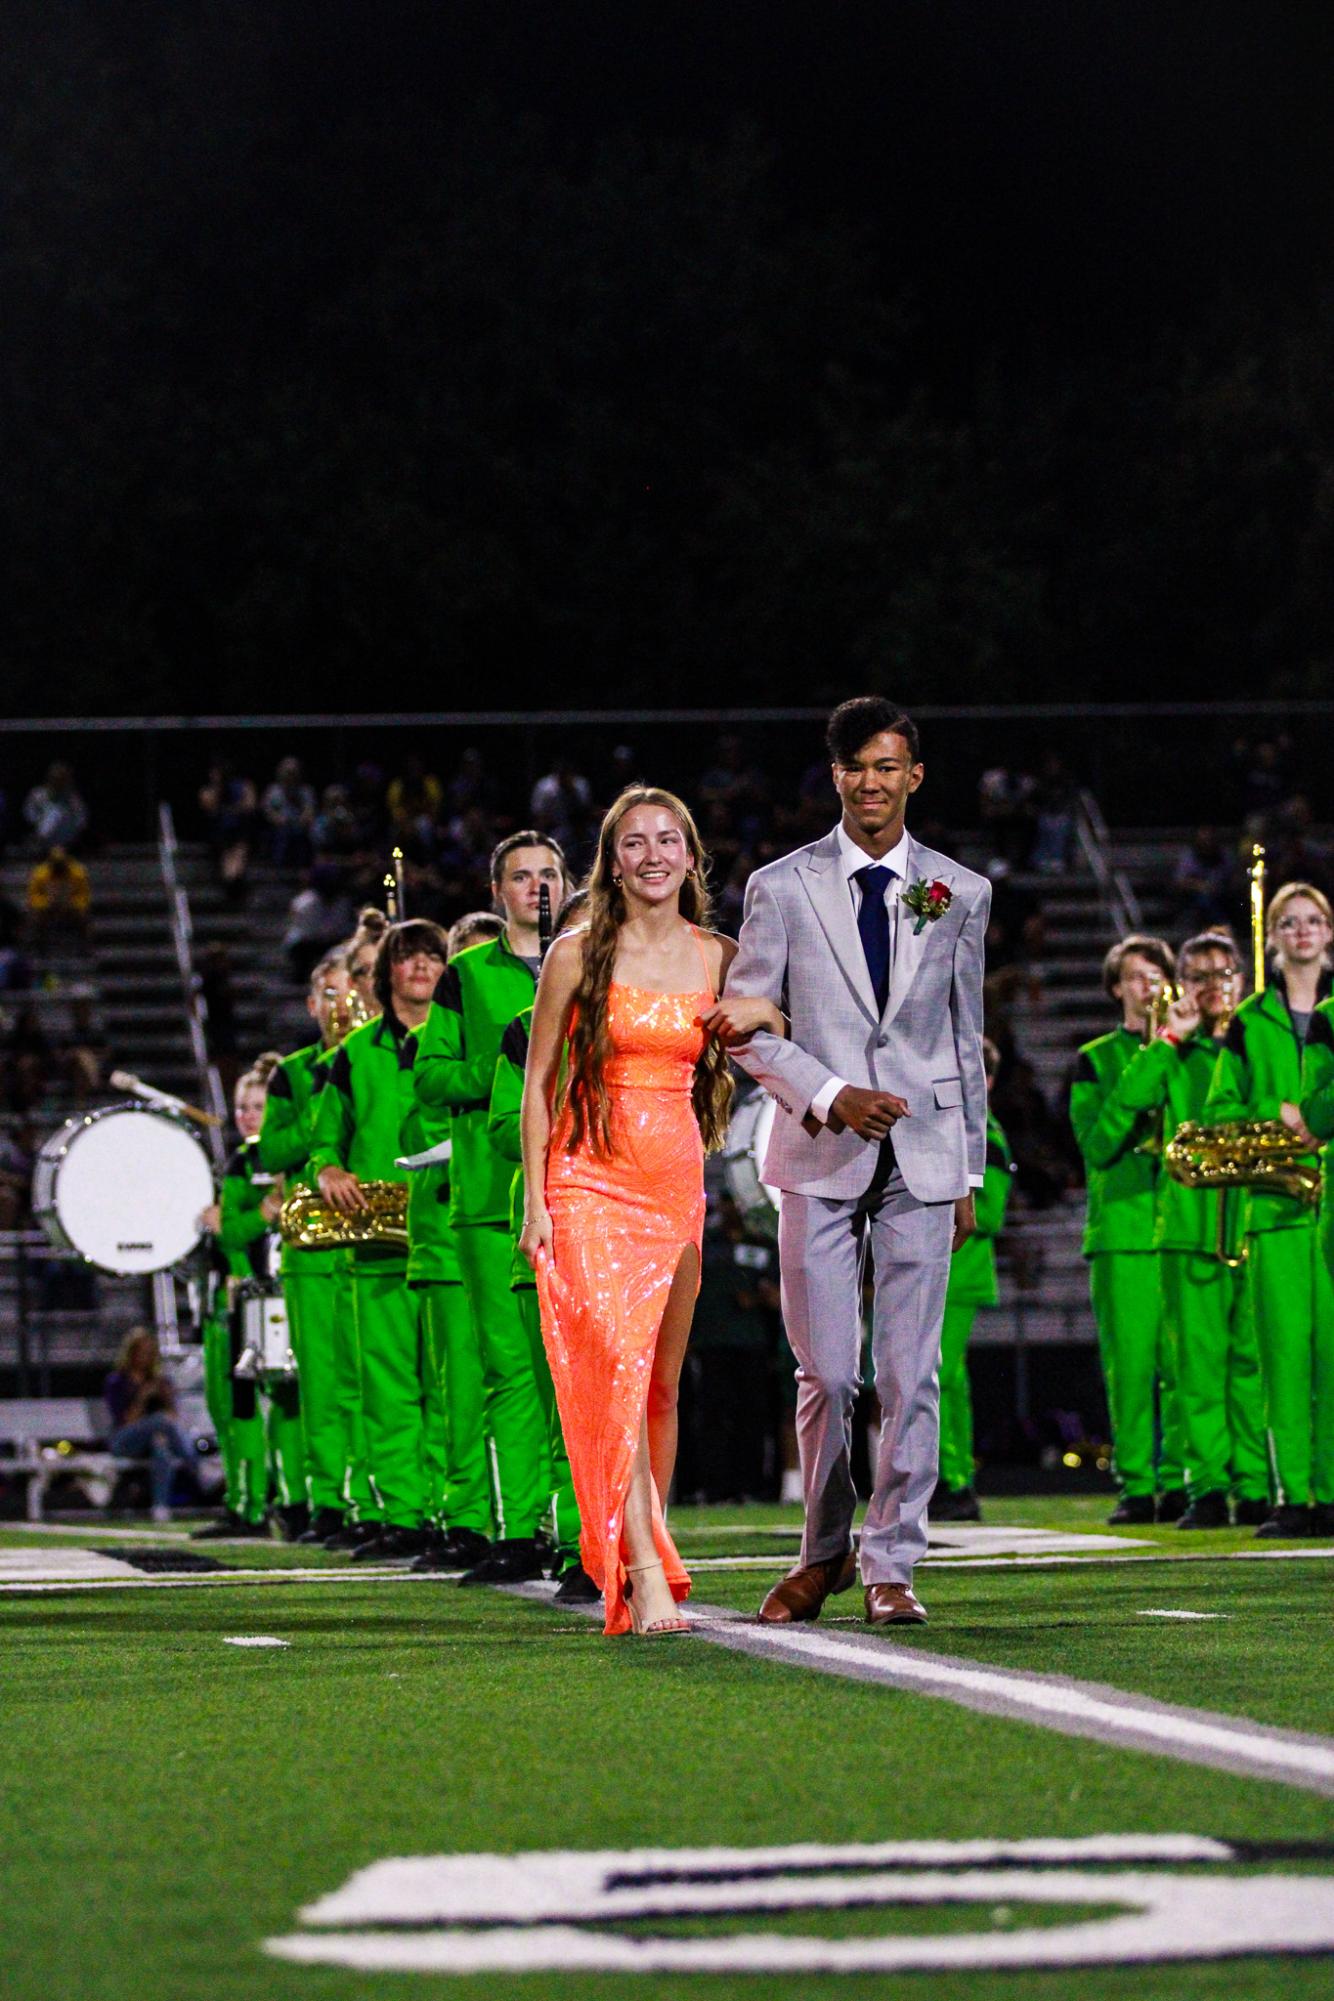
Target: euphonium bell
{"points": [[347, 1011]]}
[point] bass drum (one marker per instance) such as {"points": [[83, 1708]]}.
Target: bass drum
{"points": [[124, 1187], [743, 1159]]}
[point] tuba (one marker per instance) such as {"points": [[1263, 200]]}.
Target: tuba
{"points": [[309, 1223]]}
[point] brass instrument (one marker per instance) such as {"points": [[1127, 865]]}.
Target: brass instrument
{"points": [[1257, 875], [309, 1223], [348, 1011], [1161, 1002], [1243, 1153]]}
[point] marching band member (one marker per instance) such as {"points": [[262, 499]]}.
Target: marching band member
{"points": [[1317, 1112], [478, 996], [972, 1283], [249, 1204], [454, 1438], [357, 1138], [1124, 1278], [313, 1279], [1204, 1293], [1259, 1076]]}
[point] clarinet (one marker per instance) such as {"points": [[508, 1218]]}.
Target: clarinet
{"points": [[545, 926]]}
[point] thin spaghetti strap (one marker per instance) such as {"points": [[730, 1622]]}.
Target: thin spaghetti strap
{"points": [[708, 976]]}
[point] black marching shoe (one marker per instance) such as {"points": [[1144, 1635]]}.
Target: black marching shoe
{"points": [[954, 1504], [1285, 1521], [1172, 1505], [1206, 1511], [576, 1587], [223, 1529], [324, 1523], [353, 1534], [452, 1549], [293, 1521], [1250, 1514], [513, 1561], [1132, 1510], [392, 1545]]}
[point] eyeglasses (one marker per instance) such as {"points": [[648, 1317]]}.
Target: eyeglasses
{"points": [[1290, 924]]}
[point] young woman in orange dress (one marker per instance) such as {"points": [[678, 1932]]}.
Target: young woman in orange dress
{"points": [[614, 1173]]}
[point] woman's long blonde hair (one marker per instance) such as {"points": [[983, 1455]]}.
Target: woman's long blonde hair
{"points": [[590, 1040]]}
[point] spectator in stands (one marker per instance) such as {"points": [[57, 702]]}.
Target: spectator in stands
{"points": [[1297, 856], [1264, 779], [213, 983], [227, 804], [142, 1404], [1005, 808], [414, 800], [55, 812], [471, 788], [318, 916], [561, 804], [367, 795], [740, 786], [59, 900], [334, 834], [1055, 801], [289, 811], [15, 972], [1015, 930], [1204, 879], [18, 1157]]}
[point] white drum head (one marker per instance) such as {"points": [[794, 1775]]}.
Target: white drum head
{"points": [[743, 1163], [129, 1188]]}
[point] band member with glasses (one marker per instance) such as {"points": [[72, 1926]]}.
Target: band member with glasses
{"points": [[1119, 1143], [358, 1138], [314, 1280], [1197, 1237], [1259, 1076]]}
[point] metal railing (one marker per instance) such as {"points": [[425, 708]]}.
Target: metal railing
{"points": [[196, 1007], [1114, 886]]}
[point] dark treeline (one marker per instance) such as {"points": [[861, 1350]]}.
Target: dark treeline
{"points": [[334, 385]]}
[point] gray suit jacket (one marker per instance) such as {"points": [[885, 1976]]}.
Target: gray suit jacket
{"points": [[800, 947]]}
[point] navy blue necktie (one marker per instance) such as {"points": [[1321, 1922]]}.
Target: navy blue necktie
{"points": [[873, 923]]}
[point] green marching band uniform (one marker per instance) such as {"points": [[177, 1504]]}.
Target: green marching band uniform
{"points": [[453, 1439], [1124, 1279], [1317, 1108], [503, 1126], [317, 1286], [972, 1283], [243, 1234], [238, 1430], [1289, 1282], [359, 1117], [477, 997], [1205, 1301]]}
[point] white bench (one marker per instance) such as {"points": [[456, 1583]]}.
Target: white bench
{"points": [[42, 1438]]}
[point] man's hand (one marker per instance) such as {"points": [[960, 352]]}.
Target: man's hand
{"points": [[1291, 1116], [965, 1220], [1183, 1018], [271, 1208], [871, 1114], [342, 1191]]}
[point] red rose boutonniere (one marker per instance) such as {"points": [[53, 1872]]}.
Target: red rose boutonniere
{"points": [[927, 901]]}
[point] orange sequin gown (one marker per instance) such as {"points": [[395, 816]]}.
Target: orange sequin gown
{"points": [[620, 1225]]}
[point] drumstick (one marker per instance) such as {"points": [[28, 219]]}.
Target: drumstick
{"points": [[125, 1080]]}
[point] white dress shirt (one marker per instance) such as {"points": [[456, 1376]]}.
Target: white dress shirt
{"points": [[853, 859]]}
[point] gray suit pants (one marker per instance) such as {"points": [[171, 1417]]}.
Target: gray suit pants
{"points": [[822, 1244]]}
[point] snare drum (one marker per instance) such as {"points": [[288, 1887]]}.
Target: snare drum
{"points": [[123, 1186], [743, 1164], [266, 1346]]}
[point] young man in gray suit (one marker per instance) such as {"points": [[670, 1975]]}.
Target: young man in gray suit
{"points": [[872, 945]]}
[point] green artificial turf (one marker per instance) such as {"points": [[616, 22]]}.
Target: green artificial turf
{"points": [[171, 1801]]}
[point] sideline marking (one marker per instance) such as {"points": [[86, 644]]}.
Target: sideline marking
{"points": [[212, 1580], [1158, 1612], [254, 1640], [464, 1914]]}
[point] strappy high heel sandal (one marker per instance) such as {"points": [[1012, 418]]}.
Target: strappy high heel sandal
{"points": [[656, 1629]]}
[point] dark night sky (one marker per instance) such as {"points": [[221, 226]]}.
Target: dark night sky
{"points": [[204, 189]]}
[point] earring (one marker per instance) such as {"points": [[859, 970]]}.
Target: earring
{"points": [[616, 881]]}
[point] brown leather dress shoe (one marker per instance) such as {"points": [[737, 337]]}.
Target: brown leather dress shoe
{"points": [[804, 1590], [894, 1605]]}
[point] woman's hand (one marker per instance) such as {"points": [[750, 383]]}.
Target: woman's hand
{"points": [[209, 1220], [1291, 1116], [536, 1235], [271, 1208], [735, 1018]]}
